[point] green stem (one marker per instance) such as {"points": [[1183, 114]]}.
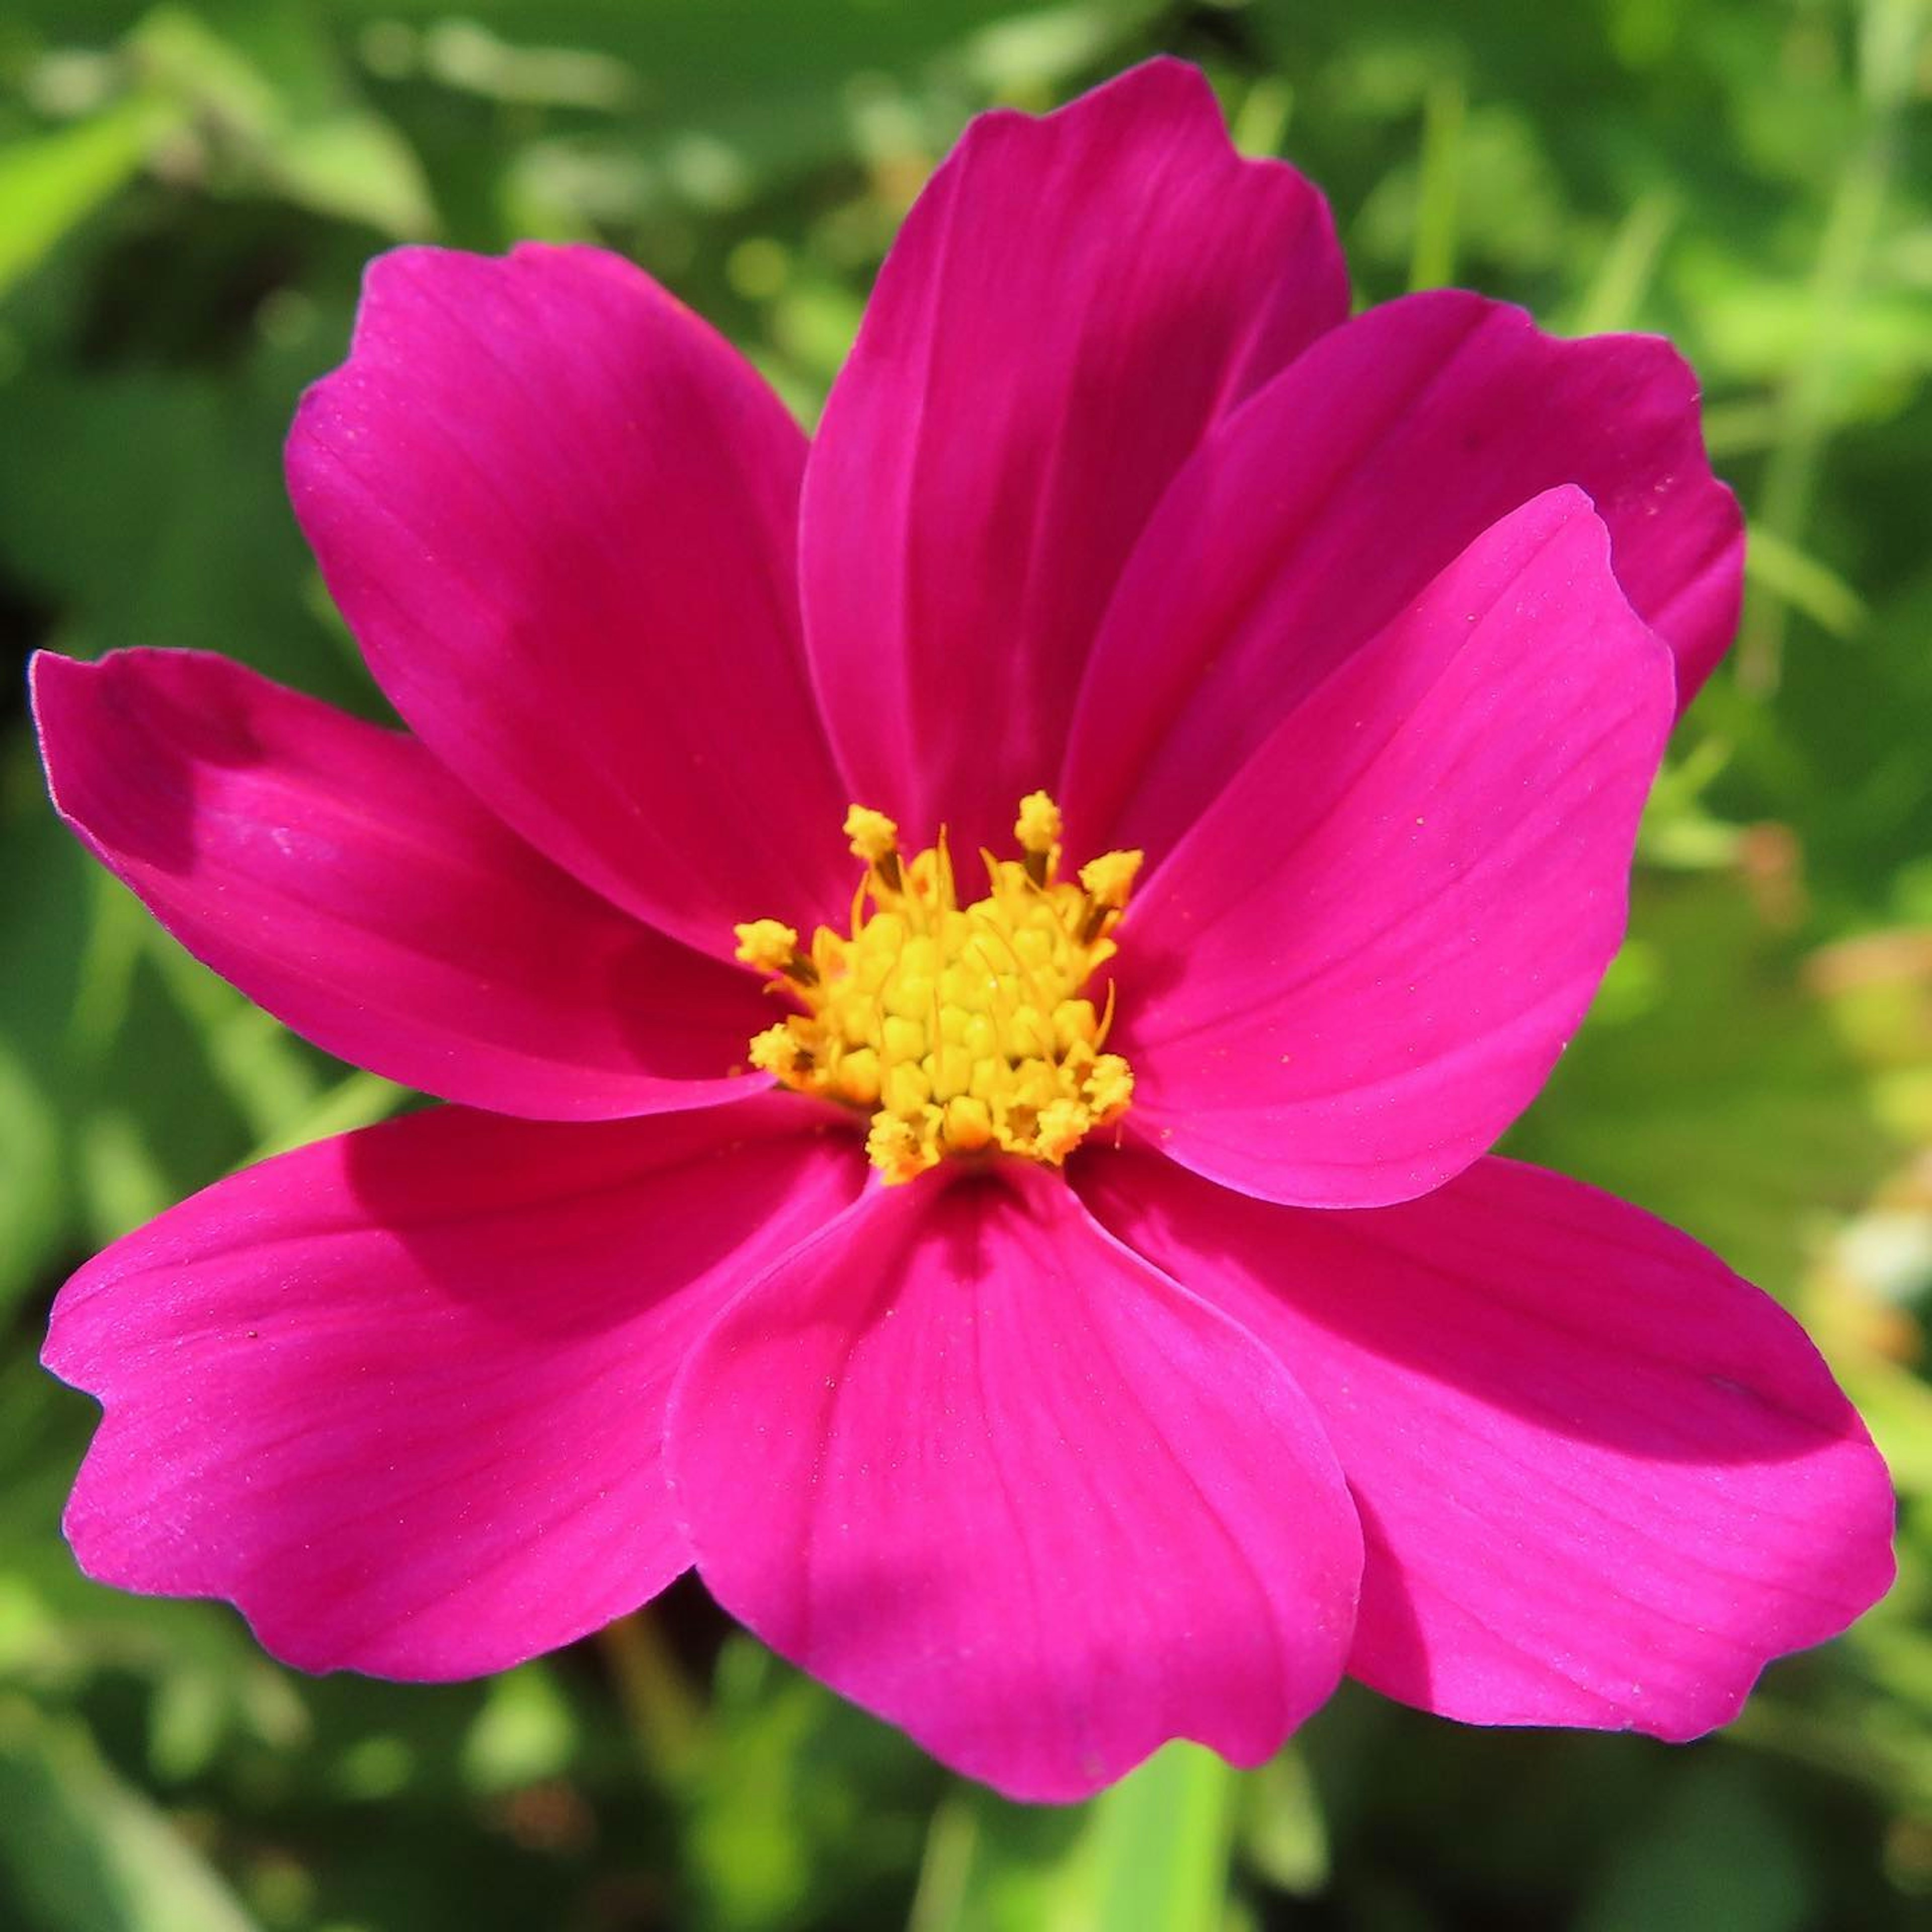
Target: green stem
{"points": [[665, 1717], [1432, 260], [1889, 44]]}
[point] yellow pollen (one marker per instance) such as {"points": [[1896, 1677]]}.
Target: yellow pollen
{"points": [[1110, 878], [764, 942], [873, 835], [777, 1051], [1038, 829], [959, 1029]]}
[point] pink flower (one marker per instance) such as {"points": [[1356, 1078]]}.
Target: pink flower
{"points": [[1367, 634]]}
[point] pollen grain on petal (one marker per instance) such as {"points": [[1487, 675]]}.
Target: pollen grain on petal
{"points": [[959, 1028]]}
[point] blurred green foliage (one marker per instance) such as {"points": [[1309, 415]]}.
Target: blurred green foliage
{"points": [[188, 192]]}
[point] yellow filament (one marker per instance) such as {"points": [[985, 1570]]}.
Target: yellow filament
{"points": [[959, 1029]]}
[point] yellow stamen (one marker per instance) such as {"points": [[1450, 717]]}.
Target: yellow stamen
{"points": [[1109, 878], [1038, 829], [1038, 826], [777, 1050], [767, 944], [875, 839], [873, 835], [959, 1029]]}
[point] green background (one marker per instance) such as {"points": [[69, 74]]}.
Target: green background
{"points": [[187, 195]]}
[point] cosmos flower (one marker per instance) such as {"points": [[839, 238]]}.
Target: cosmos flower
{"points": [[975, 964]]}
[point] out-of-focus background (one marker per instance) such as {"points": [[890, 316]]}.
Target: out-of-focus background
{"points": [[187, 192]]}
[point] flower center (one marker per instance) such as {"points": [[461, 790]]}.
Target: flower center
{"points": [[957, 1028]]}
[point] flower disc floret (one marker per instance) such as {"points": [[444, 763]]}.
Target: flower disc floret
{"points": [[959, 1029]]}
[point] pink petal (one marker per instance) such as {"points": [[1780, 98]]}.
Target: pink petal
{"points": [[559, 512], [1603, 1479], [987, 1474], [336, 874], [1317, 513], [1070, 305], [1361, 965], [399, 1396]]}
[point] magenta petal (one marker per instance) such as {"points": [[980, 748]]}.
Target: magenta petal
{"points": [[399, 1396], [989, 1474], [559, 513], [1069, 305], [336, 874], [1313, 516], [1361, 965], [1603, 1479]]}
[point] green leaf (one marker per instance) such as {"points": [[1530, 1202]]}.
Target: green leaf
{"points": [[266, 80], [1161, 1841], [1717, 1854], [84, 1852], [799, 1807], [524, 1731], [356, 167], [32, 1187], [51, 183], [1152, 1850], [1708, 1083]]}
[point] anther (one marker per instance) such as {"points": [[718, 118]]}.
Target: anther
{"points": [[1038, 829], [773, 947], [779, 1051], [875, 838], [1107, 880]]}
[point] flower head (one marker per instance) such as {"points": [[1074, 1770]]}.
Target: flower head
{"points": [[919, 933]]}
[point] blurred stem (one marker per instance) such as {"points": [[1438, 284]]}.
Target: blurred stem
{"points": [[1740, 428], [1432, 263], [1260, 126], [1889, 39], [1801, 582], [1616, 292], [946, 1870], [665, 1717]]}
